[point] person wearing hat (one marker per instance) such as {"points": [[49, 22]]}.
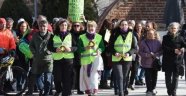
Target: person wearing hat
{"points": [[63, 48], [42, 64], [7, 39]]}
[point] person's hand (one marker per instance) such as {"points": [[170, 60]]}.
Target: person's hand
{"points": [[117, 55], [17, 39], [69, 19], [83, 17], [68, 49], [98, 53], [182, 50], [58, 50], [152, 54], [88, 47], [177, 51], [127, 55]]}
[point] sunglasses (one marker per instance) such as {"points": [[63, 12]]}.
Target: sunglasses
{"points": [[76, 25]]}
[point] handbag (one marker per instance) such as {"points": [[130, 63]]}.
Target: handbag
{"points": [[156, 64], [156, 61], [181, 66], [181, 69]]}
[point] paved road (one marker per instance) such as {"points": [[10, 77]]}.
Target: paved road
{"points": [[140, 90]]}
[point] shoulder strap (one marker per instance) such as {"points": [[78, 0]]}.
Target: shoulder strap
{"points": [[147, 45]]}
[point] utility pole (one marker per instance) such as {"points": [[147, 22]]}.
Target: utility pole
{"points": [[35, 8]]}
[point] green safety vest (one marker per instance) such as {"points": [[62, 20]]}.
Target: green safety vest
{"points": [[88, 56], [123, 46], [57, 43]]}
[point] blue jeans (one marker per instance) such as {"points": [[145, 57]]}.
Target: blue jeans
{"points": [[44, 82], [141, 74]]}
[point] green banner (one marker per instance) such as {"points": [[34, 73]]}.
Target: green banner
{"points": [[76, 10]]}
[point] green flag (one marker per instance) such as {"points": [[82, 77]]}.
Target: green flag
{"points": [[76, 10]]}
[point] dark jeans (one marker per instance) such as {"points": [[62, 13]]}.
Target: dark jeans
{"points": [[107, 68], [63, 73], [105, 75], [134, 71], [171, 80], [150, 78], [43, 81], [114, 81], [76, 78], [141, 74], [121, 70]]}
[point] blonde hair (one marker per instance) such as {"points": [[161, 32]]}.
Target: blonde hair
{"points": [[156, 34], [92, 23]]}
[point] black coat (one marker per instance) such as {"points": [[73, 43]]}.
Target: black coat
{"points": [[170, 59]]}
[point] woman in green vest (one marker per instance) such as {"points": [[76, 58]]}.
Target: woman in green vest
{"points": [[63, 47], [90, 47], [122, 47]]}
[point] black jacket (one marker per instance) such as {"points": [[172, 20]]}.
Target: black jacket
{"points": [[170, 59]]}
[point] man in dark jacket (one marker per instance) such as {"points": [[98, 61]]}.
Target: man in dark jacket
{"points": [[42, 60]]}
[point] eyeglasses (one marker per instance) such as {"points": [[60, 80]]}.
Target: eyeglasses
{"points": [[76, 25]]}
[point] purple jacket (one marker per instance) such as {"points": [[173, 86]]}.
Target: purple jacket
{"points": [[146, 57]]}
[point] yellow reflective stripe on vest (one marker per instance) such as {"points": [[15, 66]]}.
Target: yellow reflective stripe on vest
{"points": [[88, 56], [57, 43], [123, 46]]}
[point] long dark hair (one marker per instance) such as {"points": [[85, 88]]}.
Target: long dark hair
{"points": [[106, 25]]}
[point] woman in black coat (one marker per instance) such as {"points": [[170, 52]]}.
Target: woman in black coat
{"points": [[173, 47]]}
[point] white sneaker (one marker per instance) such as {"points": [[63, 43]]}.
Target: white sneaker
{"points": [[154, 92]]}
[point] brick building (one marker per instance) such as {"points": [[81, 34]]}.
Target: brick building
{"points": [[139, 10], [152, 10]]}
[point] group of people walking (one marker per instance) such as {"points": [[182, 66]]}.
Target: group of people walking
{"points": [[75, 55]]}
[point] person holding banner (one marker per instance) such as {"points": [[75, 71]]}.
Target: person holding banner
{"points": [[90, 47], [76, 31]]}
